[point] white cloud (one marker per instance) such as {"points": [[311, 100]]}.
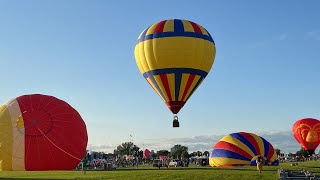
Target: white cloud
{"points": [[282, 140], [314, 34]]}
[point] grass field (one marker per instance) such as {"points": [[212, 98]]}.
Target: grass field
{"points": [[146, 172]]}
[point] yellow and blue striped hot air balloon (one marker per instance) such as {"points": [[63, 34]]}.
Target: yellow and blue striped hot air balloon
{"points": [[175, 56], [242, 148]]}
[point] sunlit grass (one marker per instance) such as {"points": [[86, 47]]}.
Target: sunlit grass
{"points": [[147, 172]]}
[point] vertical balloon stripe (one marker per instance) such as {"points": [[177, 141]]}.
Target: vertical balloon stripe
{"points": [[18, 134], [171, 81], [160, 85], [190, 80], [169, 26], [159, 27], [196, 86], [194, 82], [178, 26], [151, 29], [266, 145], [253, 140], [177, 82], [6, 141], [187, 26], [154, 87], [154, 83], [232, 147], [166, 85], [203, 30], [259, 141], [196, 27], [183, 84], [244, 141]]}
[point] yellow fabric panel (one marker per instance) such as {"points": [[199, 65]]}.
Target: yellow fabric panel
{"points": [[274, 157], [163, 90], [140, 57], [205, 32], [187, 26], [238, 143], [18, 136], [183, 84], [150, 82], [195, 80], [171, 82], [168, 26], [260, 144], [211, 162], [175, 52], [221, 161], [5, 140], [151, 29]]}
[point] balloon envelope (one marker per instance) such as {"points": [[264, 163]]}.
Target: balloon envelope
{"points": [[242, 148], [306, 132], [175, 56], [40, 132], [146, 153]]}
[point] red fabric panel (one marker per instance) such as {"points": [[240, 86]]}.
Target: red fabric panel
{"points": [[159, 27], [252, 140], [46, 117], [227, 146]]}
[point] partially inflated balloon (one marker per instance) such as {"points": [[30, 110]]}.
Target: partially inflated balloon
{"points": [[306, 131], [175, 56], [40, 132], [242, 148]]}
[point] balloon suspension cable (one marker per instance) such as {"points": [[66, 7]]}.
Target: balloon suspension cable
{"points": [[175, 122], [59, 147]]}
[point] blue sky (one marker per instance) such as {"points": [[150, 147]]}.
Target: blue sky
{"points": [[265, 76]]}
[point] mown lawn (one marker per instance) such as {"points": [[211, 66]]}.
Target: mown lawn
{"points": [[146, 172]]}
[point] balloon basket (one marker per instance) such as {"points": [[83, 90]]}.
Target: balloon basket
{"points": [[175, 123]]}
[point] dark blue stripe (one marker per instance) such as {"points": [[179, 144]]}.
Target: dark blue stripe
{"points": [[266, 147], [149, 75], [178, 71], [228, 154], [177, 83], [196, 86], [244, 141], [175, 34], [178, 26]]}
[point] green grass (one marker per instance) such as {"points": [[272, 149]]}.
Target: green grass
{"points": [[146, 172]]}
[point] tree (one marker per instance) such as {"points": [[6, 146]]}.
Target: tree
{"points": [[206, 153], [163, 153], [177, 151], [302, 152], [278, 151], [127, 148], [199, 153]]}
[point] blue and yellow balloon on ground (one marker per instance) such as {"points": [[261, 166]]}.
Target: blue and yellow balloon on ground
{"points": [[238, 149], [175, 56]]}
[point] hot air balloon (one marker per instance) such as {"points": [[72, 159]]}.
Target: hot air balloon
{"points": [[306, 131], [238, 149], [146, 153], [40, 132], [175, 56]]}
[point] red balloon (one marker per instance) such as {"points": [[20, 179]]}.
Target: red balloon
{"points": [[307, 133], [44, 133], [146, 153]]}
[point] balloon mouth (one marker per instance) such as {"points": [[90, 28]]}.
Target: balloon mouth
{"points": [[37, 122], [175, 106]]}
